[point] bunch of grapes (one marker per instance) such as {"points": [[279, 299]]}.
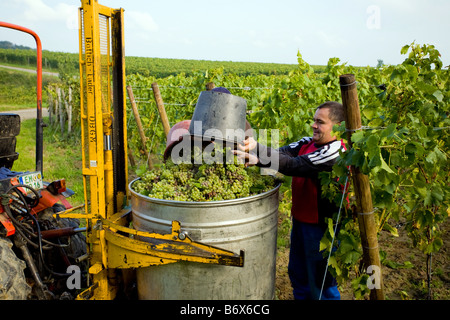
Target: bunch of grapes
{"points": [[221, 180]]}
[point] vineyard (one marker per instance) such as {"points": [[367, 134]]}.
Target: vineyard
{"points": [[403, 146], [158, 67]]}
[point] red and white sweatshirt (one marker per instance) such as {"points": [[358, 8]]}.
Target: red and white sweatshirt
{"points": [[303, 160]]}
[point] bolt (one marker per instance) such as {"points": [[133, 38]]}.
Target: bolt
{"points": [[182, 235]]}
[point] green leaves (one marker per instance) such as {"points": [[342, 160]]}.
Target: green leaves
{"points": [[404, 49], [404, 151], [438, 95]]}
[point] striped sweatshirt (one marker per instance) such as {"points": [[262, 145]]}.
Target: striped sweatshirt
{"points": [[303, 160]]}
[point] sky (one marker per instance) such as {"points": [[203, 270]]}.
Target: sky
{"points": [[358, 32]]}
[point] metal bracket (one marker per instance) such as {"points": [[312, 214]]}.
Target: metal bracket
{"points": [[130, 248]]}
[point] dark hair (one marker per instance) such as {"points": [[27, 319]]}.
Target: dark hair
{"points": [[336, 110]]}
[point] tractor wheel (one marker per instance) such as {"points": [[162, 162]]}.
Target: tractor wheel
{"points": [[13, 285], [77, 244], [76, 248]]}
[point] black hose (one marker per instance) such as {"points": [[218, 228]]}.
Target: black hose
{"points": [[39, 235]]}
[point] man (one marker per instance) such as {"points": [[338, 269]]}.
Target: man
{"points": [[303, 160]]}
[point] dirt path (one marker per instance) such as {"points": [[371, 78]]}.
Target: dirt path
{"points": [[55, 74], [28, 113]]}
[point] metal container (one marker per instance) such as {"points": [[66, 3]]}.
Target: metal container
{"points": [[248, 224], [220, 116]]}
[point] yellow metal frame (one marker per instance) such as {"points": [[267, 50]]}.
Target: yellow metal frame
{"points": [[96, 115], [112, 244]]}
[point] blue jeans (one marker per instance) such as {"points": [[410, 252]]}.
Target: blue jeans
{"points": [[307, 265]]}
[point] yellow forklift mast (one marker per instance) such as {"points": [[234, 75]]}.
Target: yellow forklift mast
{"points": [[114, 248]]}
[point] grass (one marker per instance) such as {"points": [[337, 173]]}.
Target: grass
{"points": [[62, 159]]}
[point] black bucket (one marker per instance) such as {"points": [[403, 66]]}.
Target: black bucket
{"points": [[219, 116]]}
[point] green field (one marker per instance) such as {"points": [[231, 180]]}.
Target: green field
{"points": [[146, 66], [18, 89]]}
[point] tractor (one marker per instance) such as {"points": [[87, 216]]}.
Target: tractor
{"points": [[36, 248]]}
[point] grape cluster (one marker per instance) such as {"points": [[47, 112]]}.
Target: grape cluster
{"points": [[220, 180]]}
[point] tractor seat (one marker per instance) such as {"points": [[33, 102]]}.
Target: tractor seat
{"points": [[9, 129]]}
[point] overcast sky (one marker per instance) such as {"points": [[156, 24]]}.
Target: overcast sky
{"points": [[358, 32]]}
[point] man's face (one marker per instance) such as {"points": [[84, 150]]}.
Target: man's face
{"points": [[322, 127]]}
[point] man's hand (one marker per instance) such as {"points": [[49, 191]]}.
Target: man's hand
{"points": [[247, 158], [248, 145]]}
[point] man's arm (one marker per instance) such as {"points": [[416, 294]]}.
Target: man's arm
{"points": [[291, 164]]}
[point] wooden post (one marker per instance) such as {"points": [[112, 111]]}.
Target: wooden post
{"points": [[366, 219], [139, 125], [131, 157], [50, 103], [68, 105], [60, 115], [161, 109]]}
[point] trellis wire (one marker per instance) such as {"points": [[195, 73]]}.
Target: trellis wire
{"points": [[334, 235]]}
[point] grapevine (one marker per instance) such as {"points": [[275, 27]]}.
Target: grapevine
{"points": [[222, 180], [404, 149]]}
